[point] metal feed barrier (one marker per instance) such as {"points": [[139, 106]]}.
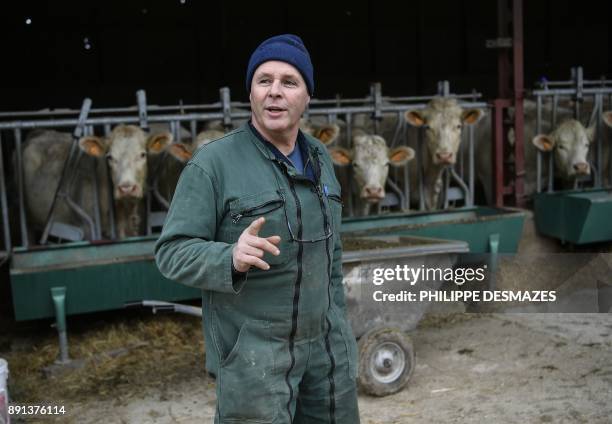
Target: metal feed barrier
{"points": [[581, 215], [578, 91], [57, 280], [90, 121]]}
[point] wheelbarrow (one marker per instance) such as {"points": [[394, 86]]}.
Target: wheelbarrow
{"points": [[386, 353]]}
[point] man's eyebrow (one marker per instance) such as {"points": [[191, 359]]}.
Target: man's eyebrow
{"points": [[283, 76]]}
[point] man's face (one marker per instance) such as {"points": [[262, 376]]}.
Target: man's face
{"points": [[278, 97]]}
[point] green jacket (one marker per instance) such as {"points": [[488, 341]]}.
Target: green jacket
{"points": [[226, 185]]}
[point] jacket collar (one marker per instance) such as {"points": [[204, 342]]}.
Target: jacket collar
{"points": [[270, 151]]}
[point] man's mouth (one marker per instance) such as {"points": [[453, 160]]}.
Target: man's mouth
{"points": [[275, 109]]}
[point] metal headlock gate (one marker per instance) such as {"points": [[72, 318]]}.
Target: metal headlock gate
{"points": [[580, 215], [227, 112], [90, 273]]}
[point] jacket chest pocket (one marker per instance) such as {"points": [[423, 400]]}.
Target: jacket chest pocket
{"points": [[334, 201], [270, 205]]}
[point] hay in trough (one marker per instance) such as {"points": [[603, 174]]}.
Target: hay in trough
{"points": [[113, 358]]}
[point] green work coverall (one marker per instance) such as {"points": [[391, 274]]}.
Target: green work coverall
{"points": [[278, 341]]}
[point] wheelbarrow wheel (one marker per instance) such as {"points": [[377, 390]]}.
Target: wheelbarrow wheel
{"points": [[386, 361]]}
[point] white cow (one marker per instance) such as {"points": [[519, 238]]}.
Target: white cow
{"points": [[370, 159], [569, 143], [443, 120], [126, 149]]}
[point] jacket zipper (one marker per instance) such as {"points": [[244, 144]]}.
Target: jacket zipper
{"points": [[296, 295], [236, 217], [332, 384]]}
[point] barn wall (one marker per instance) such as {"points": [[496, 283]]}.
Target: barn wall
{"points": [[188, 51]]}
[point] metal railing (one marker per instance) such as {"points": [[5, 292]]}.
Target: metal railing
{"points": [[578, 91], [88, 121]]}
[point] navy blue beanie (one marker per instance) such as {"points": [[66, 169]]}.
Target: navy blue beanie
{"points": [[285, 48]]}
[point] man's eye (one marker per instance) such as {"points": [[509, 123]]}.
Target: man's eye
{"points": [[264, 81], [290, 83]]}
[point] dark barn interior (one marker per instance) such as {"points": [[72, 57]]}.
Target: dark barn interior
{"points": [[57, 53]]}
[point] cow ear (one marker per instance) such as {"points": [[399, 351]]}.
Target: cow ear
{"points": [[471, 116], [607, 118], [543, 142], [157, 142], [340, 156], [327, 134], [207, 136], [401, 155], [180, 151], [591, 132], [359, 136], [93, 146], [415, 118]]}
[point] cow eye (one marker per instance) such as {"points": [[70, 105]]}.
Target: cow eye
{"points": [[459, 126], [561, 147], [143, 154], [110, 159]]}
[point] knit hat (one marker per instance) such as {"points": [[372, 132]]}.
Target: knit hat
{"points": [[285, 48]]}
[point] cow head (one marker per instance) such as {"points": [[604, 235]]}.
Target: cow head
{"points": [[325, 133], [126, 149], [184, 151], [370, 158], [569, 142], [443, 120]]}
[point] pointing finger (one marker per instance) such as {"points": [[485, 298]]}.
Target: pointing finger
{"points": [[255, 226]]}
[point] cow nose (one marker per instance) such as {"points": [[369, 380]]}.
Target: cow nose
{"points": [[581, 168], [127, 188], [444, 157], [372, 191]]}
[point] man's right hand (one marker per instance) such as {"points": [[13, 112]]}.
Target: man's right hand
{"points": [[249, 249]]}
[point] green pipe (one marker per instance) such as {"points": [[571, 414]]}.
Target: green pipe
{"points": [[59, 302], [494, 251]]}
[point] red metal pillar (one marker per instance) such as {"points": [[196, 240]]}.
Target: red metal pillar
{"points": [[508, 178], [519, 94]]}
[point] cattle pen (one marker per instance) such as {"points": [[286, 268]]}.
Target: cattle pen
{"points": [[65, 270], [576, 215]]}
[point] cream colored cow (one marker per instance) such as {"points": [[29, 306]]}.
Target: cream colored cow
{"points": [[125, 149], [443, 120]]}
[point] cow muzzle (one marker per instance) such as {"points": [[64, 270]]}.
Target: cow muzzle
{"points": [[445, 158], [373, 194], [582, 168], [128, 190]]}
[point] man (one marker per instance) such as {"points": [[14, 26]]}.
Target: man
{"points": [[255, 223]]}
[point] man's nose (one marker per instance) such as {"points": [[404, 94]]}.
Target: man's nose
{"points": [[275, 88]]}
